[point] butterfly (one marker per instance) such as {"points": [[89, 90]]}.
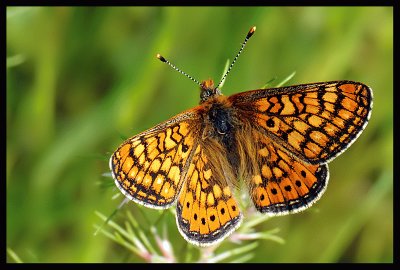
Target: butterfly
{"points": [[277, 140]]}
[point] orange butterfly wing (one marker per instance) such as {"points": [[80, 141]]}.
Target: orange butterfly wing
{"points": [[316, 122], [297, 130], [206, 211], [150, 167], [167, 162], [284, 184]]}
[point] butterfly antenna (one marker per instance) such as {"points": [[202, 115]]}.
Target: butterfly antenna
{"points": [[248, 36], [162, 59]]}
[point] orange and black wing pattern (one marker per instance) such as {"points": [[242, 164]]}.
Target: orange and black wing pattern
{"points": [[316, 122], [284, 184], [297, 130], [150, 167], [206, 211]]}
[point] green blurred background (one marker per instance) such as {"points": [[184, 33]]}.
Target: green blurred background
{"points": [[79, 80]]}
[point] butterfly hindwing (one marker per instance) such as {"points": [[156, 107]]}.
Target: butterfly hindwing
{"points": [[284, 184], [206, 209]]}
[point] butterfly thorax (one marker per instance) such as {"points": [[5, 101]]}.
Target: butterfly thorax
{"points": [[220, 127], [208, 91], [219, 114]]}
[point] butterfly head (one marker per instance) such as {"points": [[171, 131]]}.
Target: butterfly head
{"points": [[208, 91]]}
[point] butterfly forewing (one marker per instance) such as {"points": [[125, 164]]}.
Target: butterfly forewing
{"points": [[150, 167], [316, 122]]}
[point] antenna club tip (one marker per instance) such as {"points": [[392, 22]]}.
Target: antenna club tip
{"points": [[251, 32], [159, 56]]}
